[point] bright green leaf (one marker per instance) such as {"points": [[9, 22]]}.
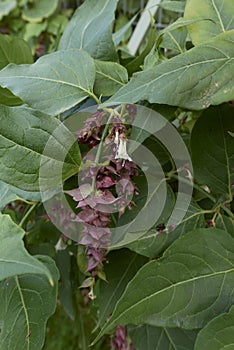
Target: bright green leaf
{"points": [[54, 83], [29, 301], [220, 13], [186, 288], [6, 6], [24, 134], [89, 29], [218, 334], [110, 77], [38, 9], [195, 79], [146, 337], [34, 29], [212, 149], [14, 259]]}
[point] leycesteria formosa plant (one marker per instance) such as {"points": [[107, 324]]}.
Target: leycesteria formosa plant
{"points": [[116, 175]]}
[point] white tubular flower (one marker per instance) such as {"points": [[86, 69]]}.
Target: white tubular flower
{"points": [[121, 152]]}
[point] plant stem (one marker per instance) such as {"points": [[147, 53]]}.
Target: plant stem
{"points": [[27, 214]]}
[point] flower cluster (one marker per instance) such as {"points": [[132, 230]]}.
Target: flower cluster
{"points": [[106, 183], [119, 340]]}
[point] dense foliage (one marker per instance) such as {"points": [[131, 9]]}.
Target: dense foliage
{"points": [[116, 176]]}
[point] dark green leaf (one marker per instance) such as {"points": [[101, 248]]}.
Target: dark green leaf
{"points": [[186, 288], [220, 13], [29, 301], [89, 29], [154, 243], [212, 149], [122, 266], [155, 338], [195, 79], [218, 334], [24, 133], [54, 83]]}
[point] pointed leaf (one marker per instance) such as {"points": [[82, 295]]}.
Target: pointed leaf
{"points": [[195, 79], [29, 300], [218, 334], [220, 12], [89, 29], [110, 77], [54, 83], [212, 149], [156, 338], [186, 288], [24, 134], [14, 259]]}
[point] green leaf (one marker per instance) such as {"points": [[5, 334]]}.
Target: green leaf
{"points": [[186, 288], [195, 79], [225, 223], [218, 334], [38, 9], [29, 301], [119, 35], [34, 29], [175, 6], [110, 77], [14, 259], [6, 6], [24, 134], [12, 50], [152, 338], [220, 13], [89, 29], [10, 193], [54, 83], [122, 266], [212, 149], [154, 243]]}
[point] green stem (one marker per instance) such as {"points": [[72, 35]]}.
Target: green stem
{"points": [[97, 158], [27, 214], [208, 195]]}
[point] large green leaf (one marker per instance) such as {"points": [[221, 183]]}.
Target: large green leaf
{"points": [[154, 243], [27, 303], [110, 77], [218, 334], [24, 134], [147, 337], [122, 266], [195, 79], [12, 50], [14, 259], [220, 13], [212, 149], [89, 29], [186, 288], [39, 9], [54, 83]]}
